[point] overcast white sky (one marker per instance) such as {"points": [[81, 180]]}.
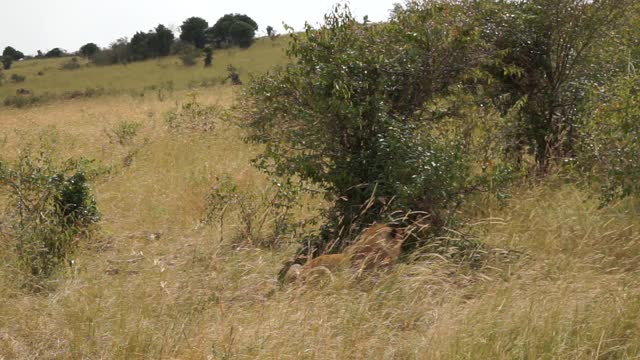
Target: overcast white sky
{"points": [[31, 25]]}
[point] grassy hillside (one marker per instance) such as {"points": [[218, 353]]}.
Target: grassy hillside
{"points": [[263, 55], [559, 279]]}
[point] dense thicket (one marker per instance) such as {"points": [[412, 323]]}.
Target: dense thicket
{"points": [[447, 99]]}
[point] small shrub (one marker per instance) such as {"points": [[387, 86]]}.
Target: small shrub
{"points": [[22, 101], [124, 132], [86, 93], [72, 64], [265, 217], [188, 54], [208, 59], [192, 116], [190, 58], [50, 209], [17, 78], [165, 89]]}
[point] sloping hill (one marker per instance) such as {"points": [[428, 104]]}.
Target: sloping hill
{"points": [[135, 77]]}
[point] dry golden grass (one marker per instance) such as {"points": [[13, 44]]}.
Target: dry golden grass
{"points": [[181, 294]]}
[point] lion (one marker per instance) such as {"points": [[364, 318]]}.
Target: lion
{"points": [[376, 247], [316, 267]]}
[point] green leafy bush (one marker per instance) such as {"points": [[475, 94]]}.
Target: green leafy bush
{"points": [[51, 209], [610, 139], [542, 60], [17, 78], [124, 132], [350, 115]]}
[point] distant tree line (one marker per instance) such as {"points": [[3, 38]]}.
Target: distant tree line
{"points": [[195, 38]]}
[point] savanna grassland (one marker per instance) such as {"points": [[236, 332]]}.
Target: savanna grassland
{"points": [[558, 276], [45, 76]]}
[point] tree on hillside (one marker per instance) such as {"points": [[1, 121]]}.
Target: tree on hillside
{"points": [[161, 41], [55, 52], [89, 49], [233, 30], [7, 62], [242, 34], [271, 32], [193, 31], [12, 53], [139, 47]]}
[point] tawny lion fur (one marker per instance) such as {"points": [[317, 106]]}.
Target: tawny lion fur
{"points": [[377, 246]]}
